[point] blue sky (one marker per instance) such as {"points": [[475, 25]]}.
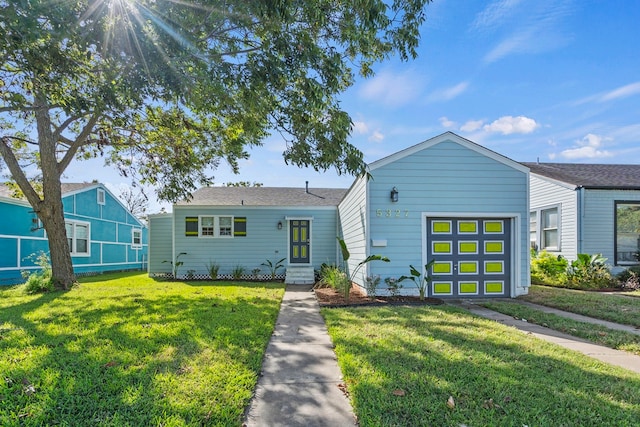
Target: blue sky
{"points": [[554, 80]]}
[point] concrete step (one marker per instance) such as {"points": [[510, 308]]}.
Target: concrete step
{"points": [[300, 275]]}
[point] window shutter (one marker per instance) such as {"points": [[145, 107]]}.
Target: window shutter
{"points": [[191, 226], [239, 226]]}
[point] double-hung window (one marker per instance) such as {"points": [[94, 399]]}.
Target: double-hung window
{"points": [[78, 237], [627, 228], [217, 226], [136, 238], [544, 229]]}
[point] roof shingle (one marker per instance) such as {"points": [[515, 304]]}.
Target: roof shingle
{"points": [[265, 196], [590, 175]]}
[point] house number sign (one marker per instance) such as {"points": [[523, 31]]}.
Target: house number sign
{"points": [[392, 213]]}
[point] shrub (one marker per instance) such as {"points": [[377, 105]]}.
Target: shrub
{"points": [[629, 279], [237, 272], [589, 272], [39, 281], [393, 286], [333, 277], [274, 266], [548, 269], [213, 268], [371, 285]]}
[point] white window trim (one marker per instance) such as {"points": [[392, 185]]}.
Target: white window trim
{"points": [[135, 245], [72, 249], [216, 226], [539, 230], [102, 197]]}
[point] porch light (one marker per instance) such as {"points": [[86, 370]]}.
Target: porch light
{"points": [[394, 194], [279, 225]]}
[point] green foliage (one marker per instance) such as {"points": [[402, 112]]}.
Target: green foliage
{"points": [[176, 264], [335, 278], [393, 286], [41, 280], [418, 279], [213, 268], [274, 266], [548, 269], [127, 350], [371, 285], [629, 279], [237, 272], [589, 272], [345, 257]]}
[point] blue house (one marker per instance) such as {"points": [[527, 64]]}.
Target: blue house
{"points": [[103, 235], [586, 208], [446, 199]]}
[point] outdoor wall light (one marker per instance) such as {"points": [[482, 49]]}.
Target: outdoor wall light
{"points": [[394, 194], [279, 225]]}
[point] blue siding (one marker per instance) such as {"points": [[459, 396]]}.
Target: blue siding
{"points": [[111, 227], [446, 178], [263, 240]]}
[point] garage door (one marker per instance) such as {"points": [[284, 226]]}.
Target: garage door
{"points": [[471, 256]]}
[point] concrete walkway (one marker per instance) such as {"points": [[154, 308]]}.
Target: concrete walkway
{"points": [[614, 357], [300, 378]]}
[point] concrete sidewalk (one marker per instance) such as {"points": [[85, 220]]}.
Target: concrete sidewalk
{"points": [[300, 378], [614, 357]]}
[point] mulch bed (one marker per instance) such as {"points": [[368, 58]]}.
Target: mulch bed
{"points": [[329, 297]]}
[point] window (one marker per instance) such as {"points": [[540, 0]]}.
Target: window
{"points": [[101, 196], [136, 238], [627, 225], [78, 236], [544, 229], [216, 226]]}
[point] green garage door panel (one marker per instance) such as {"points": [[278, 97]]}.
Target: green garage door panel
{"points": [[472, 256]]}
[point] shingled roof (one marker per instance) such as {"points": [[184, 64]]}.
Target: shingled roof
{"points": [[596, 176], [67, 187], [265, 196]]}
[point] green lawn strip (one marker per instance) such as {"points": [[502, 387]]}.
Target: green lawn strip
{"points": [[601, 305], [401, 365], [598, 334], [129, 350]]}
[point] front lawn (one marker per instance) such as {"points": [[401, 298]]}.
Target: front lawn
{"points": [[601, 305], [426, 366], [125, 349]]}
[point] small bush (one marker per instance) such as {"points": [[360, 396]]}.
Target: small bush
{"points": [[213, 268], [589, 272], [40, 281], [393, 286], [548, 269], [237, 272], [371, 285], [629, 279]]}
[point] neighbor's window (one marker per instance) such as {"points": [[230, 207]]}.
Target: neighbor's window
{"points": [[101, 196], [216, 226], [78, 235], [549, 229], [533, 230], [136, 238], [627, 224]]}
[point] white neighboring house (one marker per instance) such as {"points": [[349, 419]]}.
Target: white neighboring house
{"points": [[586, 208]]}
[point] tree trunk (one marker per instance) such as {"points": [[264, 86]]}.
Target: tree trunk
{"points": [[52, 217]]}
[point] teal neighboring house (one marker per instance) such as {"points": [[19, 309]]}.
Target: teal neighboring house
{"points": [[446, 199], [103, 235]]}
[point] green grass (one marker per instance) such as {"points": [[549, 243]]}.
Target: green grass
{"points": [[601, 305], [620, 340], [126, 350], [401, 365]]}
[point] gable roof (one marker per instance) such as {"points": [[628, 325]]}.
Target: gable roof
{"points": [[594, 176], [448, 136], [67, 187], [265, 196]]}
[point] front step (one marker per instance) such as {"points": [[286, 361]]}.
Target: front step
{"points": [[300, 275]]}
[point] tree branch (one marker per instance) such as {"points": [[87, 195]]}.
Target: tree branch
{"points": [[79, 142], [18, 175]]}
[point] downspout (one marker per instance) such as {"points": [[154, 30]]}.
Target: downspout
{"points": [[579, 215]]}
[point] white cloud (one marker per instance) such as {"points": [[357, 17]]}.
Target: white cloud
{"points": [[507, 125], [376, 136], [360, 128], [392, 89], [445, 122], [449, 93], [622, 92], [472, 125], [587, 148], [495, 12]]}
